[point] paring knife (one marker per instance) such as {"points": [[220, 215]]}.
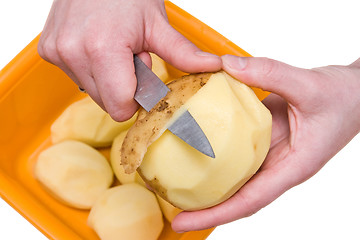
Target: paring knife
{"points": [[150, 90]]}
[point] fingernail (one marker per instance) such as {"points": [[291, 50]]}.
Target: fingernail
{"points": [[205, 54], [234, 62]]}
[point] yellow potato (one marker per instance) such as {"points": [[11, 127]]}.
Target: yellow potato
{"points": [[85, 121], [127, 211], [237, 125], [159, 67], [115, 160], [74, 172], [168, 210]]}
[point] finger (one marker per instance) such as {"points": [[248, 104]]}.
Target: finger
{"points": [[55, 54], [260, 191], [87, 83], [175, 49], [114, 76], [67, 55], [48, 50], [287, 81], [84, 81], [146, 58]]}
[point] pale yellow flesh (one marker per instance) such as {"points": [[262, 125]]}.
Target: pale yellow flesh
{"points": [[74, 172], [85, 121], [238, 127], [127, 211]]}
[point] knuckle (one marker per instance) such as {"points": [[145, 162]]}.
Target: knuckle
{"points": [[250, 205], [46, 50], [95, 47], [317, 79], [274, 72], [269, 68], [66, 47], [40, 49]]}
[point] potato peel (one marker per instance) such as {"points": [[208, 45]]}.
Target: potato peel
{"points": [[149, 126]]}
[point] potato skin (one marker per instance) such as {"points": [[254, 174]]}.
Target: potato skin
{"points": [[149, 126]]}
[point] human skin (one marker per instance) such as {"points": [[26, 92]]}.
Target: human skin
{"points": [[315, 114], [93, 42], [314, 111]]}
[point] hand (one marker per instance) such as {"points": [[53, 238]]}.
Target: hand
{"points": [[93, 43], [315, 114]]}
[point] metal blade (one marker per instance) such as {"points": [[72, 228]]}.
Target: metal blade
{"points": [[150, 89], [187, 129]]}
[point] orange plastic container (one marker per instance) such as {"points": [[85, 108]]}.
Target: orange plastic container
{"points": [[33, 93]]}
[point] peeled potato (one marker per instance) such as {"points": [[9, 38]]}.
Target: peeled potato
{"points": [[115, 160], [236, 123], [159, 67], [168, 210], [127, 211], [85, 121], [74, 172]]}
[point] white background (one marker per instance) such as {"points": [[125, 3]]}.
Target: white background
{"points": [[304, 33]]}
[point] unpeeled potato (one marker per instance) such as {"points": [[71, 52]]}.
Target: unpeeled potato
{"points": [[85, 121], [236, 123], [127, 211], [74, 172]]}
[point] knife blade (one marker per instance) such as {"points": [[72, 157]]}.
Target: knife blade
{"points": [[150, 90]]}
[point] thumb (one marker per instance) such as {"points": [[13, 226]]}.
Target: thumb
{"points": [[289, 82], [177, 50]]}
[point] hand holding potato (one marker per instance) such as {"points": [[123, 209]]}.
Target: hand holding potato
{"points": [[315, 114], [236, 123], [93, 42]]}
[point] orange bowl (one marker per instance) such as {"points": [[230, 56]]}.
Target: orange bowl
{"points": [[33, 93]]}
